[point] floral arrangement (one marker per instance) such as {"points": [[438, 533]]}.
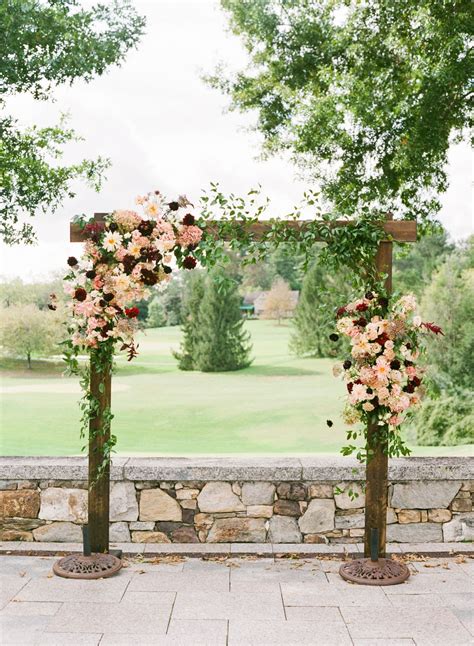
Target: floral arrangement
{"points": [[124, 257], [382, 377]]}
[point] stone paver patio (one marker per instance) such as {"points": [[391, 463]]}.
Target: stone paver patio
{"points": [[221, 601]]}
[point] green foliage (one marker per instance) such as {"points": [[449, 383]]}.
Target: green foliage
{"points": [[449, 302], [194, 293], [322, 293], [43, 45], [223, 343], [446, 421], [14, 291], [26, 331], [366, 95], [413, 267], [156, 314]]}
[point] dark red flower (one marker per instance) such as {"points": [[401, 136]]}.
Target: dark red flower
{"points": [[416, 381], [108, 297], [350, 386], [189, 262], [369, 296], [410, 388], [347, 364], [334, 337], [362, 322], [362, 307], [383, 301], [149, 277], [167, 269], [146, 227], [174, 206], [382, 339], [189, 219], [433, 328], [80, 294], [395, 364], [340, 311], [71, 261], [90, 274], [113, 226], [329, 422], [132, 312]]}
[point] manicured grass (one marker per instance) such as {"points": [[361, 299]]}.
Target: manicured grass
{"points": [[280, 404]]}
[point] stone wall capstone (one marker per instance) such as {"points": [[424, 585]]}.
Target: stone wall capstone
{"points": [[243, 500]]}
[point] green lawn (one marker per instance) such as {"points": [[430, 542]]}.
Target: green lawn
{"points": [[278, 405]]}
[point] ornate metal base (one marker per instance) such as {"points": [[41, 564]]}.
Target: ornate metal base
{"points": [[368, 572], [95, 566]]}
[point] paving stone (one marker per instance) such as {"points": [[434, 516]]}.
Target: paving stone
{"points": [[123, 501], [11, 585], [269, 577], [283, 529], [58, 532], [424, 494], [251, 530], [284, 633], [435, 626], [58, 503], [68, 639], [460, 528], [25, 566], [316, 613], [319, 517], [319, 594], [30, 608], [63, 590], [155, 504], [383, 642], [179, 581], [200, 604], [20, 632], [112, 618], [433, 583], [22, 504], [252, 548], [218, 497], [180, 633], [142, 596], [258, 493]]}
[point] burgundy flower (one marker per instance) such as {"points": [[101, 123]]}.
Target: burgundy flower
{"points": [[369, 296], [174, 206], [382, 339], [167, 269], [113, 226], [149, 277], [395, 364], [91, 274], [329, 422], [340, 311], [362, 307], [409, 388], [350, 386], [416, 381], [334, 337], [71, 261], [80, 294], [146, 227], [362, 322], [347, 364], [109, 297], [189, 219], [132, 312], [383, 301], [433, 328], [189, 262]]}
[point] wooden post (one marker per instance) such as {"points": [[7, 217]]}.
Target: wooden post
{"points": [[99, 485], [376, 492]]}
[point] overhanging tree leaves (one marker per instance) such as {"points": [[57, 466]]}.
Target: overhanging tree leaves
{"points": [[44, 44], [368, 95]]}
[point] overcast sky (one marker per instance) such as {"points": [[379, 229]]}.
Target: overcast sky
{"points": [[162, 127]]}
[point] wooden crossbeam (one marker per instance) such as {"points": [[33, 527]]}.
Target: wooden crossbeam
{"points": [[397, 230]]}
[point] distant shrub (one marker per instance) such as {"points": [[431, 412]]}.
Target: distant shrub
{"points": [[446, 421]]}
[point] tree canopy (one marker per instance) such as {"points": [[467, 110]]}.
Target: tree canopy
{"points": [[44, 44], [367, 95]]}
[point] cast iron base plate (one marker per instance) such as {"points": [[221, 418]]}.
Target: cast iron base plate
{"points": [[96, 566], [368, 572]]}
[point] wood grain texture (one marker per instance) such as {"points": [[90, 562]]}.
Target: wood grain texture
{"points": [[99, 489], [399, 230], [376, 492]]}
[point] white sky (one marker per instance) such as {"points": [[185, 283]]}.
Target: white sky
{"points": [[164, 128]]}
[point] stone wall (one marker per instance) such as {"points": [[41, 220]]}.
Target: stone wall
{"points": [[287, 500]]}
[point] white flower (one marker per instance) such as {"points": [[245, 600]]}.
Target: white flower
{"points": [[417, 321], [112, 241]]}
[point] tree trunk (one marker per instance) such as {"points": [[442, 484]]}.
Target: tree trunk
{"points": [[99, 485], [28, 359], [376, 493]]}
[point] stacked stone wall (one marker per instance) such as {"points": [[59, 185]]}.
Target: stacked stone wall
{"points": [[308, 500]]}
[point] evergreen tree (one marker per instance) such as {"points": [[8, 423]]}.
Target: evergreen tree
{"points": [[156, 314], [193, 295], [322, 293], [223, 344]]}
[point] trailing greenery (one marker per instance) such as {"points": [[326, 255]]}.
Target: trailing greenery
{"points": [[366, 96], [45, 44]]}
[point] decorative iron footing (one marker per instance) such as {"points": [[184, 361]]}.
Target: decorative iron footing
{"points": [[368, 572], [95, 566]]}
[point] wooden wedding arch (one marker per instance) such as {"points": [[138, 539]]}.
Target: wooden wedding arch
{"points": [[377, 467]]}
